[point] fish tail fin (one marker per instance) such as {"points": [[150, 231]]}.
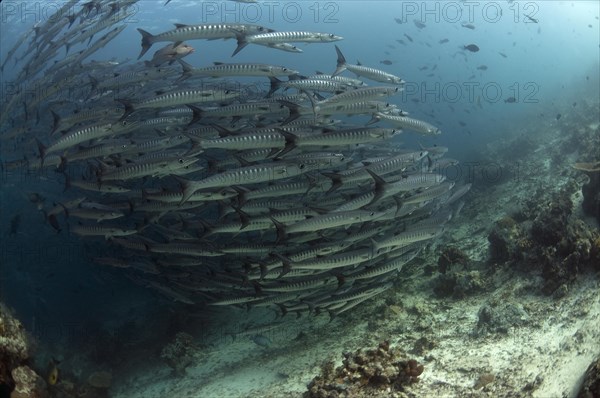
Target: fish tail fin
{"points": [[379, 187], [336, 181], [197, 114], [290, 142], [374, 119], [186, 70], [374, 247], [341, 62], [314, 104], [241, 42], [42, 150], [147, 40], [287, 264], [294, 111], [280, 230], [187, 188], [55, 121], [275, 83], [128, 108]]}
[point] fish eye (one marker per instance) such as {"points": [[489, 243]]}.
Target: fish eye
{"points": [[331, 35], [301, 166], [180, 161], [124, 123]]}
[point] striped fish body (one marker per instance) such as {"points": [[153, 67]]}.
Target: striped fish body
{"points": [[236, 69], [358, 95], [373, 74], [407, 237], [409, 123], [187, 97], [336, 260], [347, 137], [208, 31], [293, 36], [245, 175], [155, 169], [77, 137], [333, 220]]}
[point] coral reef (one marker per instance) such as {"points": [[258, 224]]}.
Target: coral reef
{"points": [[180, 353], [366, 373], [499, 318], [591, 382], [591, 189], [453, 282], [17, 380], [544, 235]]}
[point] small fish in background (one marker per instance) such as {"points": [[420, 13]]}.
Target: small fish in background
{"points": [[443, 41], [408, 37], [558, 116], [398, 21], [510, 100], [401, 41], [482, 67], [419, 24], [503, 55], [471, 47], [424, 67], [463, 124], [53, 372], [53, 221], [15, 223], [530, 18], [37, 199], [574, 104], [391, 46], [261, 340], [468, 26], [386, 62]]}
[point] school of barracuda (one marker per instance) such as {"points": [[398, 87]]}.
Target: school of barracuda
{"points": [[214, 194]]}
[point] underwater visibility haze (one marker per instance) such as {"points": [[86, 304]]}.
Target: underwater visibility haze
{"points": [[299, 198]]}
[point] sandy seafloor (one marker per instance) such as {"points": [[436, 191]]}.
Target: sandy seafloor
{"points": [[544, 354]]}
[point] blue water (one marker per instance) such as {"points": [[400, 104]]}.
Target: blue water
{"points": [[548, 66]]}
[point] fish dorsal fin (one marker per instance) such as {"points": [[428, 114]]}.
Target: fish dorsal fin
{"points": [[218, 63], [180, 25], [358, 62]]}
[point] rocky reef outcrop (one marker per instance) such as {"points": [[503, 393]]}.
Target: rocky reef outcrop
{"points": [[380, 372], [545, 236]]}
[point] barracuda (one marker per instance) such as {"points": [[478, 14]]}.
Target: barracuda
{"points": [[208, 31], [360, 70], [407, 237], [244, 175], [106, 232], [243, 38], [155, 169], [352, 96], [408, 123], [222, 69], [179, 98]]}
